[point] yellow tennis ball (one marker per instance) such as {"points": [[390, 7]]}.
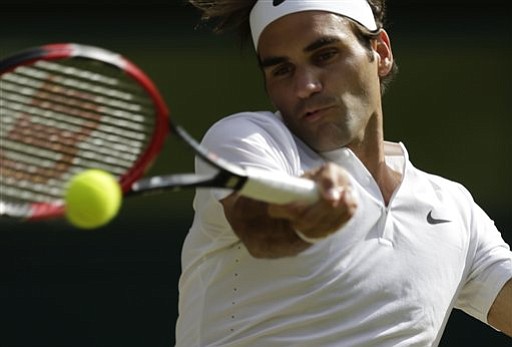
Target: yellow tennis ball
{"points": [[93, 198]]}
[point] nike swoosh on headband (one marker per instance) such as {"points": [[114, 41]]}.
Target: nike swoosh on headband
{"points": [[265, 12]]}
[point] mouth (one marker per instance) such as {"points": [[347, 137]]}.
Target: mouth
{"points": [[314, 114]]}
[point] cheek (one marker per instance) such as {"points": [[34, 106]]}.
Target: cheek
{"points": [[278, 97], [356, 76], [360, 67]]}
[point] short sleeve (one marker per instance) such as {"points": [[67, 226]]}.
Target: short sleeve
{"points": [[256, 139], [489, 266]]}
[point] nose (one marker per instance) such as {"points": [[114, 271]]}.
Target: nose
{"points": [[307, 83]]}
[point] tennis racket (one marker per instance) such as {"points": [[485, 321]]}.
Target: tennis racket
{"points": [[65, 108]]}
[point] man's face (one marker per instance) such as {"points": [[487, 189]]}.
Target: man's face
{"points": [[321, 78]]}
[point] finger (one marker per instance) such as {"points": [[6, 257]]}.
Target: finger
{"points": [[288, 211], [331, 180], [326, 218]]}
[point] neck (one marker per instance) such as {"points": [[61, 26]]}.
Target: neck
{"points": [[371, 153]]}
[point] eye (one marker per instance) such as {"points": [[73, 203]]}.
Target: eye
{"points": [[325, 56], [282, 70]]}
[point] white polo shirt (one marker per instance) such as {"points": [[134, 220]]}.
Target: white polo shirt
{"points": [[390, 277]]}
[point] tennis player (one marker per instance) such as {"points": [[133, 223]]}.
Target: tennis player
{"points": [[387, 251]]}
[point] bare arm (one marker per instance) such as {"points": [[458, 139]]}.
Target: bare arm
{"points": [[500, 314], [268, 231], [263, 236]]}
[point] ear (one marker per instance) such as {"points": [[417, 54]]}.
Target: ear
{"points": [[383, 52]]}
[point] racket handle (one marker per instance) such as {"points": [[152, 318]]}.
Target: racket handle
{"points": [[278, 188]]}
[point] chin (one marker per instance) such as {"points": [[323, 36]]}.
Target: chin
{"points": [[329, 141], [326, 146]]}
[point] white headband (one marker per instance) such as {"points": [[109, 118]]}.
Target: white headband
{"points": [[267, 11]]}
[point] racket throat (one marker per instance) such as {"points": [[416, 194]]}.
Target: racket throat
{"points": [[159, 184]]}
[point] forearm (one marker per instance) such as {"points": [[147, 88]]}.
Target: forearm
{"points": [[500, 314], [268, 230], [262, 235]]}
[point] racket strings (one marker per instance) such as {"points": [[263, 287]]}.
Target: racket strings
{"points": [[68, 133], [66, 142], [60, 93], [119, 138], [80, 81], [28, 94], [33, 179], [58, 119], [28, 150], [89, 117]]}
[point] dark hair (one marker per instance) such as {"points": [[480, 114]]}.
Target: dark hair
{"points": [[226, 15]]}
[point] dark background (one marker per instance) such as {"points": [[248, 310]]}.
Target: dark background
{"points": [[116, 286]]}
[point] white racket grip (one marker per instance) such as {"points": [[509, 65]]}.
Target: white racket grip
{"points": [[278, 188]]}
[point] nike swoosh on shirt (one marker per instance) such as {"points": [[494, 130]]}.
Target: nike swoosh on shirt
{"points": [[434, 221], [278, 2]]}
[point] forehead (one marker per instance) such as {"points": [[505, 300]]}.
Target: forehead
{"points": [[300, 29]]}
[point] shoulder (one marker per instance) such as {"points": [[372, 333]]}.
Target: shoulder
{"points": [[442, 183], [452, 198], [258, 139], [445, 188], [252, 134], [246, 125]]}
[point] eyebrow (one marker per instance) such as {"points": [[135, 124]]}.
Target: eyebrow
{"points": [[321, 42]]}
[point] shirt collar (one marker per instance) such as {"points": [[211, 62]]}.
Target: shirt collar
{"points": [[396, 158]]}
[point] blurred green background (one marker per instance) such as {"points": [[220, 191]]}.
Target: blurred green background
{"points": [[116, 286]]}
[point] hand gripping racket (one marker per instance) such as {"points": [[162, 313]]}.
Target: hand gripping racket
{"points": [[65, 108]]}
